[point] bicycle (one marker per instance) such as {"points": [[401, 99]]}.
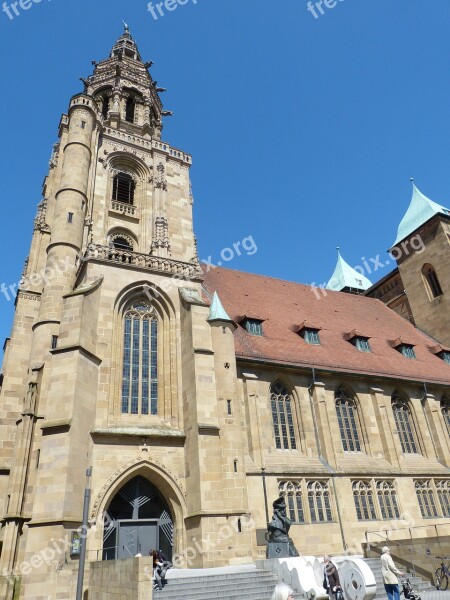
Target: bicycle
{"points": [[441, 575]]}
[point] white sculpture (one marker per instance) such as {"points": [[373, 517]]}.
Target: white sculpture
{"points": [[305, 574]]}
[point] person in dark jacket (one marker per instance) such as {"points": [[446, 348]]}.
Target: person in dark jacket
{"points": [[330, 577]]}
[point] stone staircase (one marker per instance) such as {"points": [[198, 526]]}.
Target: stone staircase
{"points": [[419, 584], [230, 583]]}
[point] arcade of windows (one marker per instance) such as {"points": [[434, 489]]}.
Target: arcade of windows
{"points": [[286, 431], [433, 497], [386, 507], [307, 501]]}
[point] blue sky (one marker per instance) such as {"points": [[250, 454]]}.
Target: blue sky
{"points": [[304, 131]]}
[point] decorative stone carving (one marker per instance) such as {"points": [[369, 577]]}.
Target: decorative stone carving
{"points": [[39, 221], [161, 240], [160, 181], [55, 156], [144, 261]]}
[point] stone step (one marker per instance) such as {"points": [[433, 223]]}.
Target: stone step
{"points": [[252, 585]]}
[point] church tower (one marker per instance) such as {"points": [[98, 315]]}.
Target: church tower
{"points": [[111, 363]]}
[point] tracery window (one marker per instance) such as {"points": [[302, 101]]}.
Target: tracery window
{"points": [[443, 492], [140, 360], [425, 496], [387, 499], [348, 421], [363, 497], [292, 491], [405, 425], [282, 416], [319, 501]]}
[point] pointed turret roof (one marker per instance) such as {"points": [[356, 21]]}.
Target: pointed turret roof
{"points": [[217, 311], [420, 210], [126, 45], [346, 278]]}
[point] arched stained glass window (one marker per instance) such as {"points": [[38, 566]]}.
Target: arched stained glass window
{"points": [[319, 501], [363, 497], [425, 496], [443, 492], [282, 415], [348, 421], [292, 491], [387, 499], [405, 425], [140, 360]]}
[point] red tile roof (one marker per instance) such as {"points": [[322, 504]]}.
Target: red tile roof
{"points": [[285, 305]]}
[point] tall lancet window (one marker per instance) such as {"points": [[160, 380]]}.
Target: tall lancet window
{"points": [[348, 421], [140, 360], [405, 425], [282, 415]]}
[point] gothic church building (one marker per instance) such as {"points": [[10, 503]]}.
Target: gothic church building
{"points": [[193, 394]]}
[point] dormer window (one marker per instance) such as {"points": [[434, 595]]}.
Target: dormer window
{"points": [[403, 347], [359, 340], [123, 188], [253, 326], [362, 344], [311, 336], [407, 350], [309, 332], [445, 356]]}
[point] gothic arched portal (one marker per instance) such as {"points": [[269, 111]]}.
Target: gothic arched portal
{"points": [[138, 520]]}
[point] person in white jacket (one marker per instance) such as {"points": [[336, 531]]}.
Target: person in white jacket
{"points": [[390, 573]]}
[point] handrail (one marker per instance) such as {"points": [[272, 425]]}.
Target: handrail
{"points": [[410, 548], [435, 525]]}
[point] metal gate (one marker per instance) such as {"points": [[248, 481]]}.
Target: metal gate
{"points": [[137, 521]]}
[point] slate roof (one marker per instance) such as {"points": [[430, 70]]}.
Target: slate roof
{"points": [[286, 305]]}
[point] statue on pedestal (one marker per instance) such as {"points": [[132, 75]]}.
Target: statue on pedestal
{"points": [[279, 544]]}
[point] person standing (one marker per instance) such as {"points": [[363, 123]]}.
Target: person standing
{"points": [[390, 574], [331, 580]]}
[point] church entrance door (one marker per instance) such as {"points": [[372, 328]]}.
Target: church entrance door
{"points": [[138, 520], [137, 537]]}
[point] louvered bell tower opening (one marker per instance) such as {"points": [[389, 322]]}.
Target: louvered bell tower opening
{"points": [[138, 520]]}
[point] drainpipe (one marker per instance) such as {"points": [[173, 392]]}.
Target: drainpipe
{"points": [[322, 458]]}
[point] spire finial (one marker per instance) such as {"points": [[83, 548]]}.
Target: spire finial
{"points": [[411, 179], [126, 26], [338, 249]]}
